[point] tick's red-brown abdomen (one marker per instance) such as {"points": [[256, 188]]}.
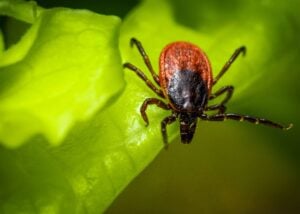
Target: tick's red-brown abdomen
{"points": [[183, 56]]}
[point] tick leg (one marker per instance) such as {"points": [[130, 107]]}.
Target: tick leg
{"points": [[151, 101], [143, 77], [138, 44], [238, 117], [221, 106], [168, 120], [236, 53]]}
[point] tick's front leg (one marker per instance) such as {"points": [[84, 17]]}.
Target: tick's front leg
{"points": [[146, 59], [151, 101], [144, 78]]}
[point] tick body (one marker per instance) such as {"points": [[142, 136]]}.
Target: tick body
{"points": [[185, 82], [185, 78]]}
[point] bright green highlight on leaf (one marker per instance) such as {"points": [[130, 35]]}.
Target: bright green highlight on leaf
{"points": [[64, 69]]}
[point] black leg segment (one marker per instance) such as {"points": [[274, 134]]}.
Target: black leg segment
{"points": [[251, 119], [151, 101], [143, 77], [221, 106], [146, 59], [168, 120], [236, 53]]}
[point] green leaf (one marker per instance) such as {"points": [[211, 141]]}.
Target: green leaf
{"points": [[64, 69], [21, 10]]}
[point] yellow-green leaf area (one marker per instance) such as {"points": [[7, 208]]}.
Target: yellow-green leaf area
{"points": [[64, 69]]}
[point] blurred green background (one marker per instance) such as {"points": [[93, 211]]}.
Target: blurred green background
{"points": [[230, 167]]}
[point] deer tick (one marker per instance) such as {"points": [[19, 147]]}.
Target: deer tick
{"points": [[185, 82]]}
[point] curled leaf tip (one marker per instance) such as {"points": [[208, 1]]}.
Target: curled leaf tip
{"points": [[27, 11]]}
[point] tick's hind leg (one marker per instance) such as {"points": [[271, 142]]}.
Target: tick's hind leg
{"points": [[236, 53], [146, 59], [151, 101], [221, 106], [143, 77], [239, 117], [168, 120]]}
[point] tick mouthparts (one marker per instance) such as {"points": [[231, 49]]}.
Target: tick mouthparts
{"points": [[186, 138]]}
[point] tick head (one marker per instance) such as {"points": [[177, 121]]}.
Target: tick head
{"points": [[188, 122]]}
